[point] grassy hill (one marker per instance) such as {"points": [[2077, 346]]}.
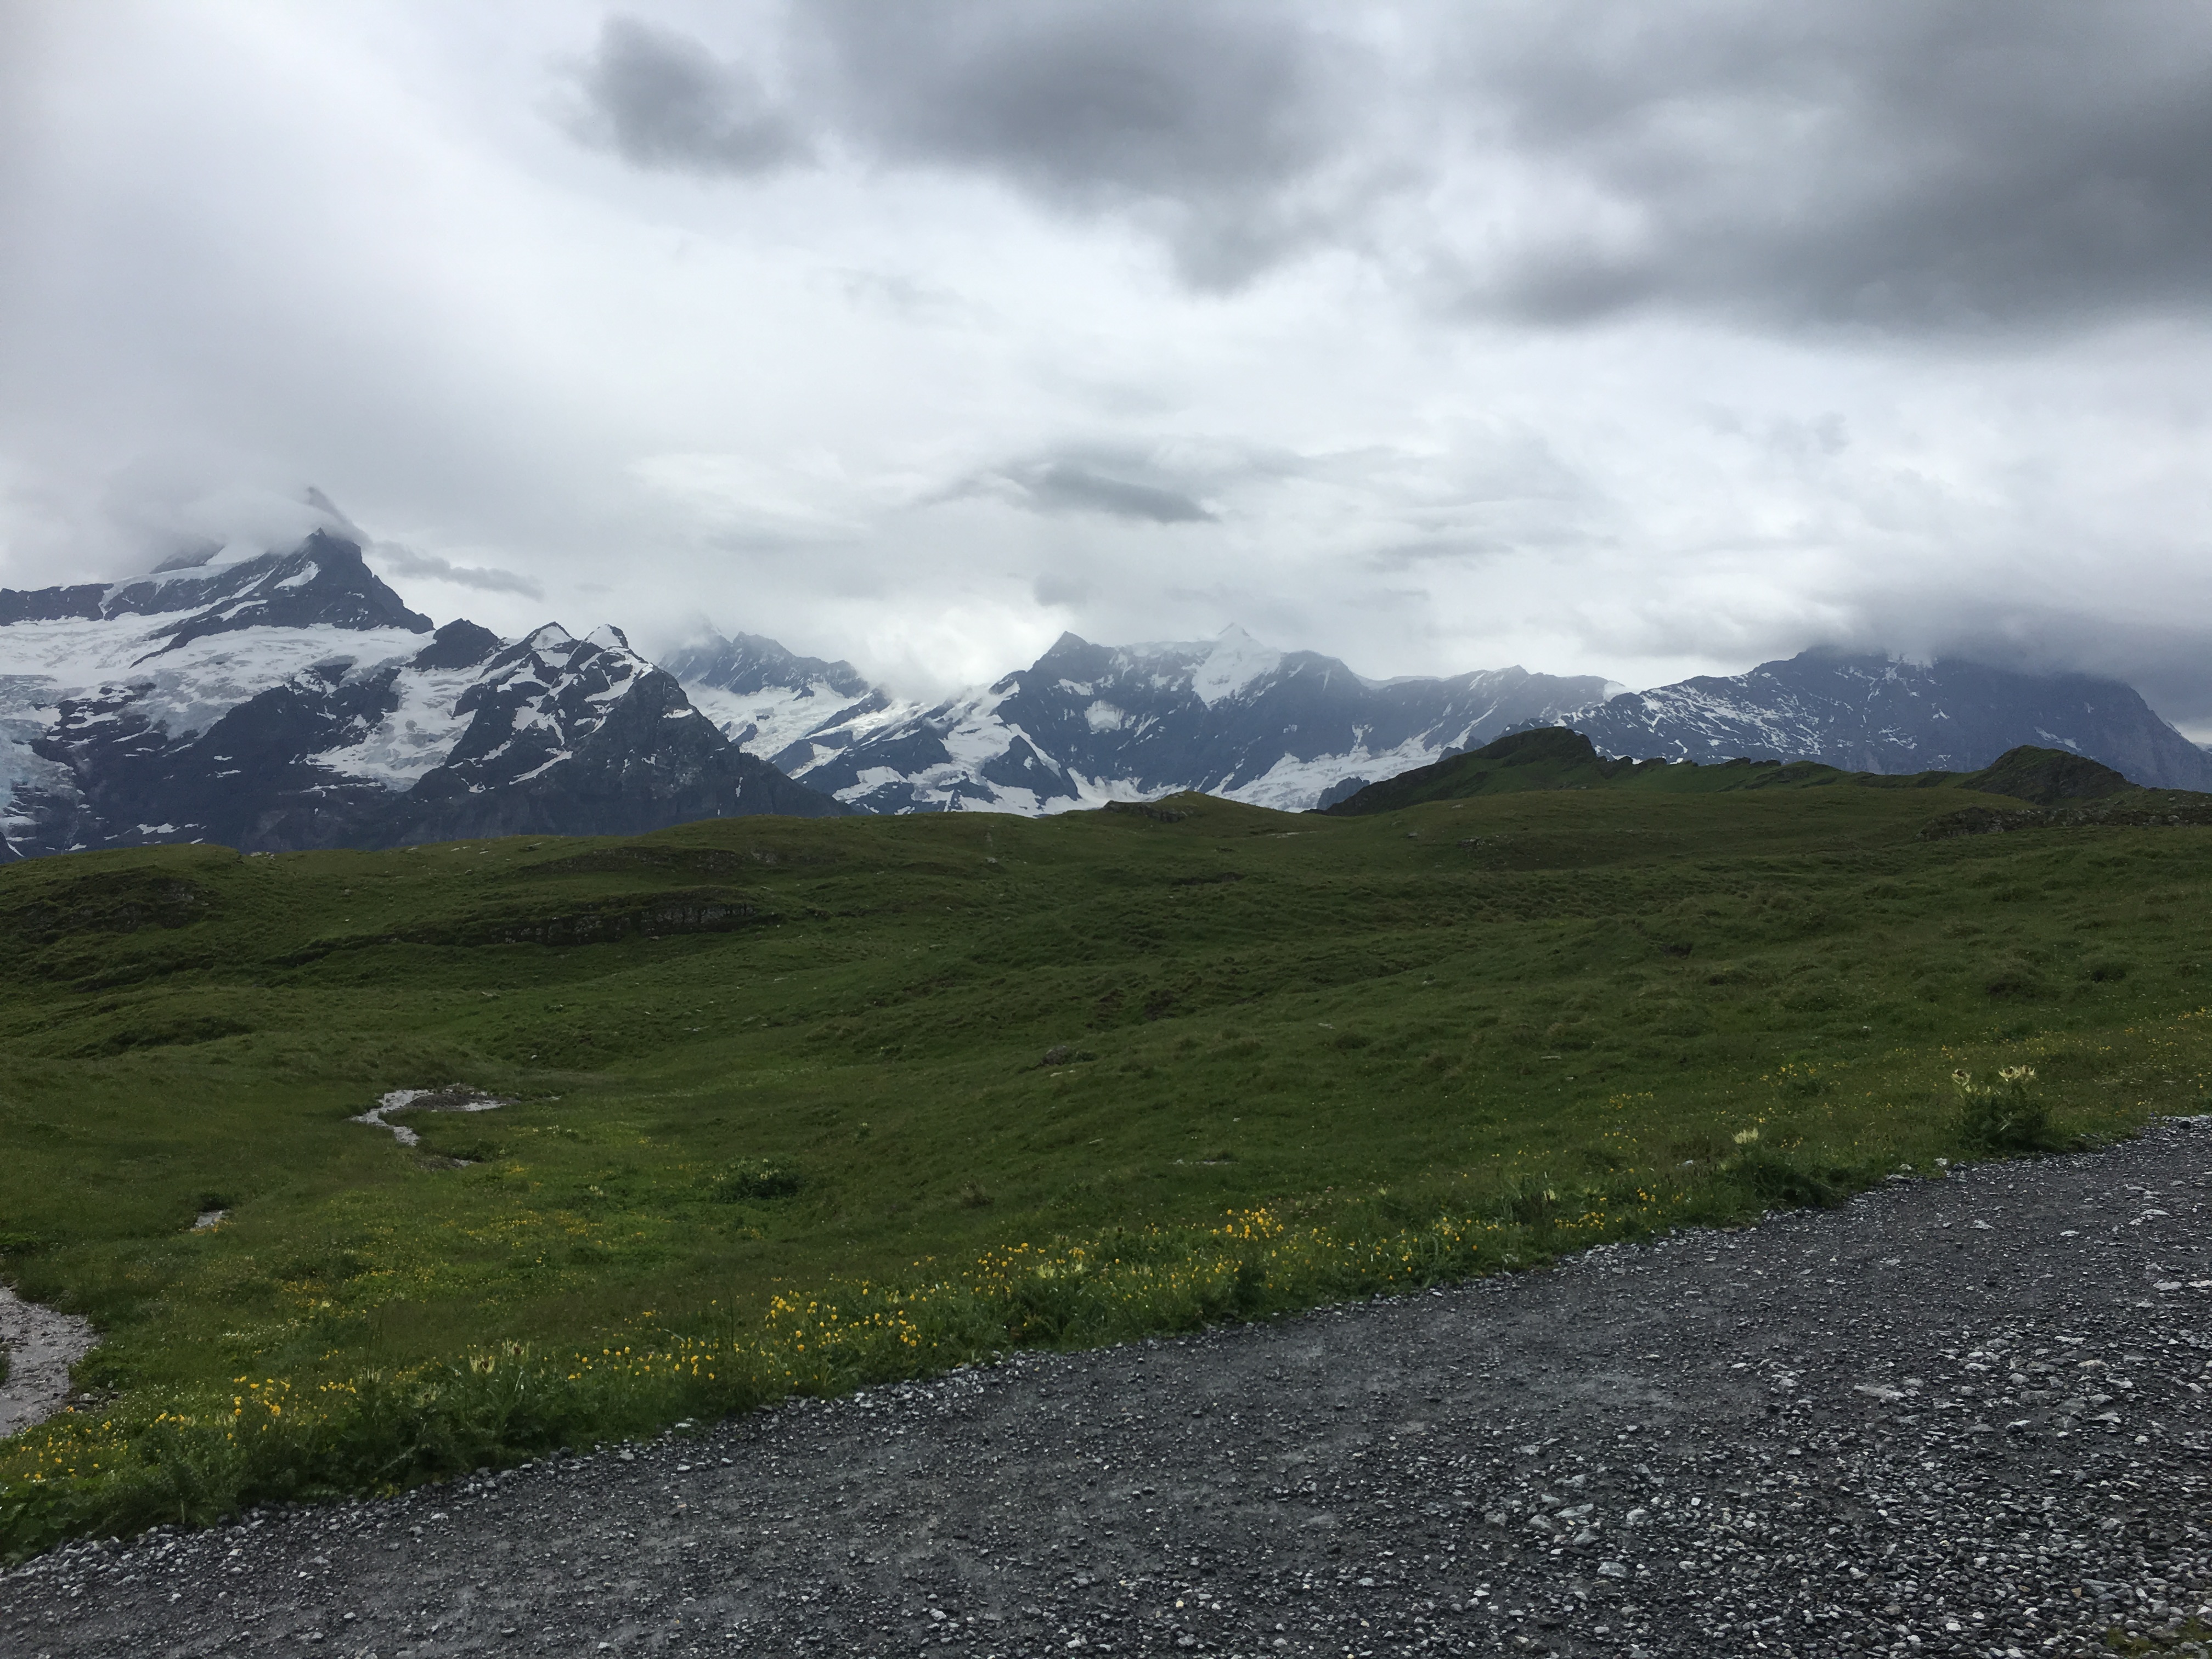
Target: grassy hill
{"points": [[1553, 757], [794, 1104]]}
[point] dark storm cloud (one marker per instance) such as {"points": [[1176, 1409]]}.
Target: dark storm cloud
{"points": [[485, 579], [661, 100], [1092, 103], [1120, 486], [1903, 165], [1199, 117], [2166, 661], [1209, 109], [1900, 163]]}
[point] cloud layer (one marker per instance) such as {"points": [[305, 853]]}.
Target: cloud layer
{"points": [[1903, 165], [1629, 340]]}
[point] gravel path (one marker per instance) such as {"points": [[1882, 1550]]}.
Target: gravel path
{"points": [[42, 1344], [1957, 1417]]}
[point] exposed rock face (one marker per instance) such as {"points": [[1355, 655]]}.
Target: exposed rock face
{"points": [[570, 737], [1871, 713], [292, 701], [1085, 724]]}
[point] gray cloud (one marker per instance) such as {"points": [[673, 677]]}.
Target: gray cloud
{"points": [[661, 100], [1645, 341], [1207, 113], [1120, 484], [1897, 165], [485, 579], [1092, 102], [1902, 164], [2164, 660], [1200, 117]]}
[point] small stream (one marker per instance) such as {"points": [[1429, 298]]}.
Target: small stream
{"points": [[423, 1100], [42, 1344]]}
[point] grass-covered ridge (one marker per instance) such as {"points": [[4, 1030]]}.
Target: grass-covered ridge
{"points": [[798, 1103], [1551, 757]]}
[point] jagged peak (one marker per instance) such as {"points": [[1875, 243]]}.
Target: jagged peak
{"points": [[608, 637], [459, 644]]}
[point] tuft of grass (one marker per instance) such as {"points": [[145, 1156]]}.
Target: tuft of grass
{"points": [[2003, 1114], [756, 1178]]}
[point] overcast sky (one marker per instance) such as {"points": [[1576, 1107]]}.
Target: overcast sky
{"points": [[1632, 339]]}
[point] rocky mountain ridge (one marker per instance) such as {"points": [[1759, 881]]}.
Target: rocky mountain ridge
{"points": [[283, 699], [290, 700], [1085, 724], [1876, 714]]}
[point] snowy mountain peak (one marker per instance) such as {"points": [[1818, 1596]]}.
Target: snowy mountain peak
{"points": [[290, 700], [321, 582], [1235, 661]]}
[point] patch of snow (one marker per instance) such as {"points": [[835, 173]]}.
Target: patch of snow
{"points": [[1104, 717], [547, 765], [416, 737], [749, 722], [236, 552], [1236, 660], [1293, 785]]}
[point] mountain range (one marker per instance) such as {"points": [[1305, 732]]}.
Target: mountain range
{"points": [[291, 700], [283, 700], [1085, 724], [1088, 723], [1874, 714]]}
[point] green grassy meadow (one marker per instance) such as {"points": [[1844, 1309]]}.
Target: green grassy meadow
{"points": [[802, 1104]]}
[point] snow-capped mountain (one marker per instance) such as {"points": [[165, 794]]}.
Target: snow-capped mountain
{"points": [[289, 700], [1086, 724], [768, 698], [1874, 713], [284, 700]]}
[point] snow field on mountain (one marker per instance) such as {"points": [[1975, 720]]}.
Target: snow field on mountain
{"points": [[415, 737], [187, 687], [767, 722]]}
